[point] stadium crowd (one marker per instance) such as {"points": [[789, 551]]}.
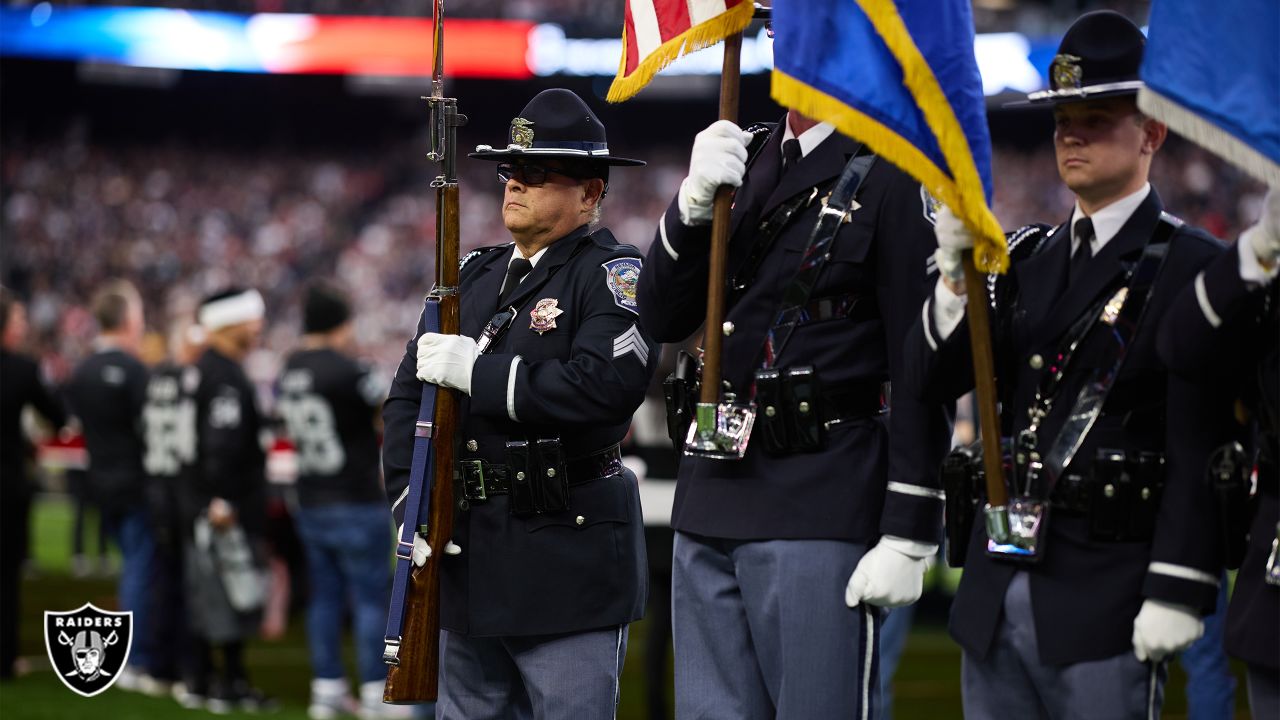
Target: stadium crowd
{"points": [[182, 221]]}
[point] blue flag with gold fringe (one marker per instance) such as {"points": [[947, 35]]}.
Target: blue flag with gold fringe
{"points": [[1212, 73], [900, 76]]}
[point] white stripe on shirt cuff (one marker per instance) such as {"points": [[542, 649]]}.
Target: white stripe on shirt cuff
{"points": [[511, 389], [666, 244], [1182, 572], [917, 490], [1202, 297]]}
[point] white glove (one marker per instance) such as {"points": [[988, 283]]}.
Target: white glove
{"points": [[421, 550], [447, 360], [1162, 629], [719, 157], [1264, 236], [953, 239], [891, 574]]}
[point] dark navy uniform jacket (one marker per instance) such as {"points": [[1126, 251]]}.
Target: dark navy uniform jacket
{"points": [[580, 381], [230, 462], [107, 392], [867, 481], [1086, 593], [1223, 332]]}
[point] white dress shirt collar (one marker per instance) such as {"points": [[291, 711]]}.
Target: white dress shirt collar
{"points": [[515, 253], [809, 139], [1108, 221]]}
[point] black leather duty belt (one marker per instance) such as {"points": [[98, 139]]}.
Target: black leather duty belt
{"points": [[482, 479], [842, 402]]}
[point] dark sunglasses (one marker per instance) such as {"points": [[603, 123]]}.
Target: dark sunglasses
{"points": [[529, 174]]}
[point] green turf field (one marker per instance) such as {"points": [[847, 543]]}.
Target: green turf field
{"points": [[927, 685]]}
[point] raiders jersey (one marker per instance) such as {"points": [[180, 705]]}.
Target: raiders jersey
{"points": [[329, 403], [230, 462], [107, 392], [169, 422]]}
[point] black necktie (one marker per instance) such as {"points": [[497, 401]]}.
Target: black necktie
{"points": [[790, 154], [1084, 250], [515, 273]]}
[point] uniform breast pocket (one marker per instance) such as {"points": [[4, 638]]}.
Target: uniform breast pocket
{"points": [[848, 265], [602, 502]]}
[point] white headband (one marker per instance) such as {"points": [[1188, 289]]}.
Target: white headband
{"points": [[232, 310]]}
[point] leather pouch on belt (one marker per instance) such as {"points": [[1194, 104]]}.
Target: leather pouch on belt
{"points": [[551, 486], [522, 473], [803, 399], [1106, 495], [771, 420], [1146, 478]]}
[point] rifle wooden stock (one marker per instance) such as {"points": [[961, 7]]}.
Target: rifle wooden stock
{"points": [[984, 376], [416, 678], [716, 273]]}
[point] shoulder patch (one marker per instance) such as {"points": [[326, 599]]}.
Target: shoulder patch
{"points": [[621, 276], [929, 205]]}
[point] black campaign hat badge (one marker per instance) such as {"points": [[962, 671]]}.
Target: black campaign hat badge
{"points": [[88, 646], [522, 133], [1066, 71]]}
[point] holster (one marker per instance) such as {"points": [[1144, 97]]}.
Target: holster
{"points": [[790, 413], [539, 482], [1124, 495], [962, 480], [1229, 470], [681, 392]]}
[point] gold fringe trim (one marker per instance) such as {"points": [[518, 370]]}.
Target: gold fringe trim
{"points": [[963, 194], [702, 35], [1201, 131]]}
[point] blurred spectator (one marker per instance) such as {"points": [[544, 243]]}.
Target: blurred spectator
{"points": [[23, 387], [330, 406], [224, 566], [107, 392], [169, 428]]}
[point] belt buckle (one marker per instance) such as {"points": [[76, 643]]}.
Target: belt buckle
{"points": [[473, 480]]}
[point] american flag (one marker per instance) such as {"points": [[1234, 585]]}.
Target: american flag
{"points": [[657, 32]]}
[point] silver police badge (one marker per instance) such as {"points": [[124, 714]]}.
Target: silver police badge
{"points": [[544, 315], [88, 646]]}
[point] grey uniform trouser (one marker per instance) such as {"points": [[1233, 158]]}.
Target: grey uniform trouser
{"points": [[541, 677], [1011, 682], [762, 632]]}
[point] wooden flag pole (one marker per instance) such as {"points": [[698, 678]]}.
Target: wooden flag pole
{"points": [[984, 372], [713, 336]]}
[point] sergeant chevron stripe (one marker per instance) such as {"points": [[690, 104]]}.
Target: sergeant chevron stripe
{"points": [[631, 342]]}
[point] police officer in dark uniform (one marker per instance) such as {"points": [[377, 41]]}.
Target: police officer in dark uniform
{"points": [[169, 434], [107, 392], [1068, 611], [774, 549], [330, 405], [535, 608], [227, 495], [1224, 331]]}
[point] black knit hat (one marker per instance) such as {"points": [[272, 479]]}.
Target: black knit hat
{"points": [[556, 123], [325, 308], [1099, 57]]}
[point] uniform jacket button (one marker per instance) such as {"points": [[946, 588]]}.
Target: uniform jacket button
{"points": [[1036, 362], [579, 520], [472, 445]]}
